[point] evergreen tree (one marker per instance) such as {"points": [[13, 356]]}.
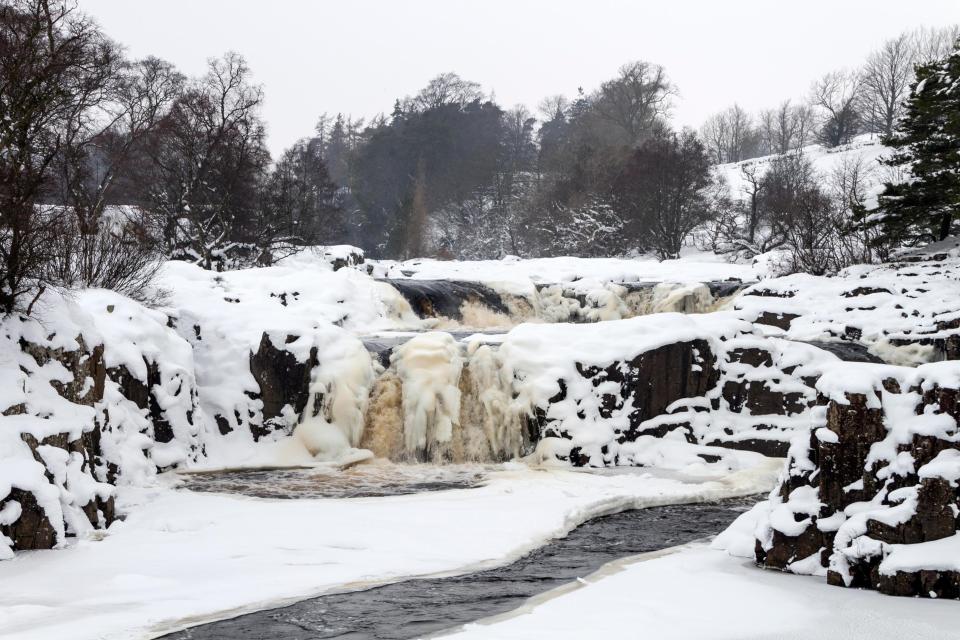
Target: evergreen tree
{"points": [[927, 145], [336, 151]]}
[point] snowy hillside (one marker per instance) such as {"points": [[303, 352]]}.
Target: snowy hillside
{"points": [[864, 153]]}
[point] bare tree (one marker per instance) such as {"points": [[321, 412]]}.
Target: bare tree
{"points": [[716, 135], [640, 95], [97, 152], [837, 95], [730, 135], [931, 43], [781, 128], [663, 192], [754, 185], [741, 140], [553, 106], [207, 161], [886, 79], [52, 74], [806, 123], [847, 186], [446, 88]]}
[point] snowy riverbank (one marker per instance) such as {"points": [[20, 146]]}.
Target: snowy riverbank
{"points": [[183, 558], [697, 593]]}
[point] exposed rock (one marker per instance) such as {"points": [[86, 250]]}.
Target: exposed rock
{"points": [[36, 527], [860, 487], [646, 387], [32, 530], [284, 382], [865, 291], [780, 320]]}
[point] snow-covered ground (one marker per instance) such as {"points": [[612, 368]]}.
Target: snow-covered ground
{"points": [[864, 152], [698, 593], [693, 266], [182, 558]]}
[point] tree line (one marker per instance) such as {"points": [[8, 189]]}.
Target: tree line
{"points": [[839, 106], [83, 128], [110, 165]]}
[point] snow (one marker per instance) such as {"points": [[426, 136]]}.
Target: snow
{"points": [[183, 558], [940, 555], [884, 304], [693, 592], [540, 355], [692, 266], [866, 149], [332, 421]]}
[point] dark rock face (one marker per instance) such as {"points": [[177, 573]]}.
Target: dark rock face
{"points": [[725, 288], [865, 291], [771, 448], [654, 380], [646, 387], [32, 530], [781, 320], [701, 395], [842, 466], [435, 298], [143, 394], [283, 381]]}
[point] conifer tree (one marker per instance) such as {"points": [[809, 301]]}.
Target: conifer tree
{"points": [[927, 146]]}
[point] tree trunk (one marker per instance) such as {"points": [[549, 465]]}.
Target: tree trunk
{"points": [[945, 221]]}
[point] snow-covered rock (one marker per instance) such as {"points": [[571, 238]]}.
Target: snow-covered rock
{"points": [[870, 496]]}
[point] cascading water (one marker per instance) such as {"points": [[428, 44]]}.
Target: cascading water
{"points": [[451, 305], [443, 401], [435, 397], [333, 420]]}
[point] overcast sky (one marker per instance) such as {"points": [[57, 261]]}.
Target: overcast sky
{"points": [[357, 56]]}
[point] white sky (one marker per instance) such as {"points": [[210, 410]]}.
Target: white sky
{"points": [[357, 56]]}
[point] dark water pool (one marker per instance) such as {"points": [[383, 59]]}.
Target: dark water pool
{"points": [[365, 480], [419, 607]]}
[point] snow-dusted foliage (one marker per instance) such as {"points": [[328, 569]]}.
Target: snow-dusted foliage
{"points": [[801, 208]]}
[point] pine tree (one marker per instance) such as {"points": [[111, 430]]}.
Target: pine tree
{"points": [[927, 146]]}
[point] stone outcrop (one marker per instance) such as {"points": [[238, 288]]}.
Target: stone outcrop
{"points": [[877, 476], [641, 389], [745, 393], [70, 463], [284, 382], [147, 394]]}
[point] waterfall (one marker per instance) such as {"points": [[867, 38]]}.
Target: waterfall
{"points": [[489, 417], [332, 423], [442, 401], [434, 398], [452, 305]]}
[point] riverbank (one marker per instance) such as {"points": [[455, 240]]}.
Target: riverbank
{"points": [[182, 558]]}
